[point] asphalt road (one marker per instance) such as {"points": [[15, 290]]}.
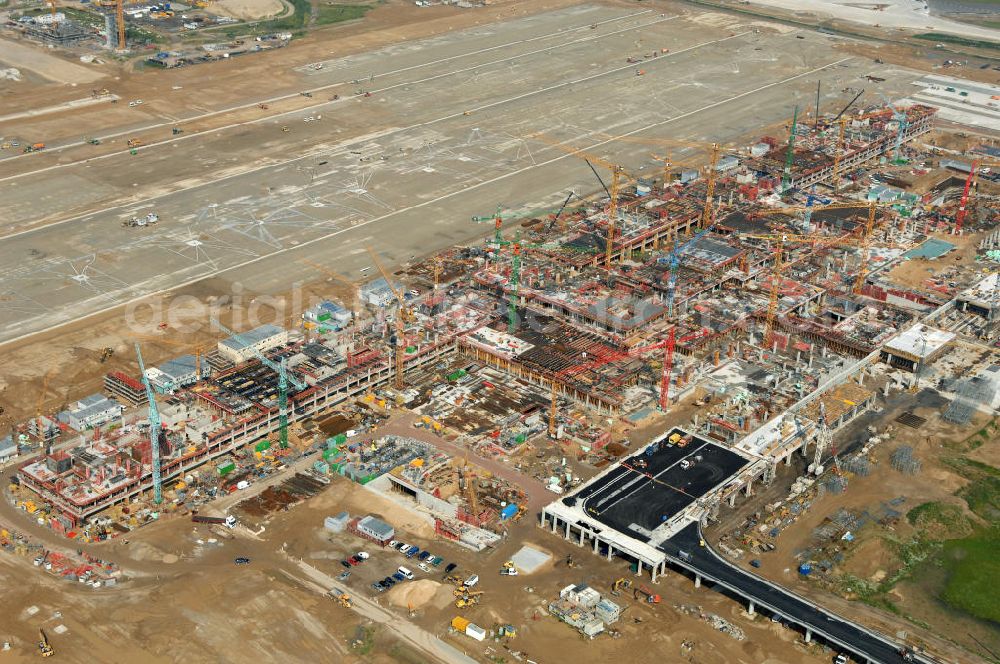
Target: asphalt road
{"points": [[849, 636]]}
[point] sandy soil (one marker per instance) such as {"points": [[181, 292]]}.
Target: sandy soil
{"points": [[30, 57], [247, 10], [870, 557]]}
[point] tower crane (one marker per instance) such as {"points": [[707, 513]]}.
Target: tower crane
{"points": [[155, 430], [284, 379], [404, 315], [667, 345], [820, 242], [120, 24], [715, 150], [199, 349], [967, 191], [674, 258], [617, 173]]}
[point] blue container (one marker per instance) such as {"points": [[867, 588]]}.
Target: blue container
{"points": [[508, 511], [805, 569]]}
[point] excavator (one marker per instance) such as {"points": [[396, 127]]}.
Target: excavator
{"points": [[648, 595], [619, 585], [44, 647], [345, 600]]}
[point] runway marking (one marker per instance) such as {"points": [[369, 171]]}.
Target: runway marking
{"points": [[374, 220], [652, 478], [322, 88]]}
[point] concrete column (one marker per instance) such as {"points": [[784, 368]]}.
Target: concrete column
{"points": [[749, 489], [567, 530], [697, 580], [597, 541], [555, 520], [583, 535], [809, 635], [751, 610], [652, 573], [611, 551], [788, 459], [638, 568], [542, 524]]}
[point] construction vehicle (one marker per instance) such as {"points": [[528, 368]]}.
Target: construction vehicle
{"points": [[647, 595], [508, 569], [134, 142], [227, 521], [344, 599], [619, 585], [106, 354], [141, 222], [570, 563], [44, 647], [94, 141]]}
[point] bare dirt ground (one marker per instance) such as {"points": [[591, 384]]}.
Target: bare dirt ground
{"points": [[248, 10], [870, 557], [915, 272], [30, 57]]}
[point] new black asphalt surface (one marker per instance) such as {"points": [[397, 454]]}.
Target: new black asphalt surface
{"points": [[850, 637], [650, 486]]}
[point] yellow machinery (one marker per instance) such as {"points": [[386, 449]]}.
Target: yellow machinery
{"points": [[44, 647], [345, 600], [619, 585]]}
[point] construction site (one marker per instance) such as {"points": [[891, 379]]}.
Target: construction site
{"points": [[577, 313]]}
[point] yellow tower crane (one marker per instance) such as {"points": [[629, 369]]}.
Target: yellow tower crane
{"points": [[819, 242]]}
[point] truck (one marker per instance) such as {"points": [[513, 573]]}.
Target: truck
{"points": [[227, 521]]}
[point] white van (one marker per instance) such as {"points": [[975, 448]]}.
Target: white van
{"points": [[405, 572], [472, 580]]}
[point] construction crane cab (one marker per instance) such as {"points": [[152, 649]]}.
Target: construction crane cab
{"points": [[44, 647]]}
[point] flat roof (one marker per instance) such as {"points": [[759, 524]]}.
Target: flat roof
{"points": [[920, 341], [982, 293], [644, 498], [650, 487], [252, 337]]}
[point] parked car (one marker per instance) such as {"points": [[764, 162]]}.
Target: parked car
{"points": [[424, 556], [362, 555], [405, 572], [378, 587], [388, 582], [345, 563], [436, 560], [450, 568], [354, 560], [344, 575], [398, 576], [412, 552], [242, 561], [424, 567]]}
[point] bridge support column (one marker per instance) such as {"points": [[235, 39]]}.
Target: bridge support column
{"points": [[583, 535], [542, 522], [567, 530], [597, 542], [809, 635], [652, 573], [732, 499], [555, 520], [751, 609], [638, 568], [697, 580], [788, 459], [749, 488], [611, 552]]}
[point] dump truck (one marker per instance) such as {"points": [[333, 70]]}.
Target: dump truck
{"points": [[227, 521]]}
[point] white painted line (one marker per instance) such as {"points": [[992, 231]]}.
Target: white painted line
{"points": [[293, 95], [374, 220], [65, 106]]}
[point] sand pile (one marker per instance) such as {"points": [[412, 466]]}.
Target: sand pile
{"points": [[414, 593]]}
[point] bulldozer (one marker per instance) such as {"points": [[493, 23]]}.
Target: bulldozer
{"points": [[44, 647], [648, 595], [619, 585]]}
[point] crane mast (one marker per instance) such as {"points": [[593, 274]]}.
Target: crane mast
{"points": [[284, 380], [154, 430]]}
